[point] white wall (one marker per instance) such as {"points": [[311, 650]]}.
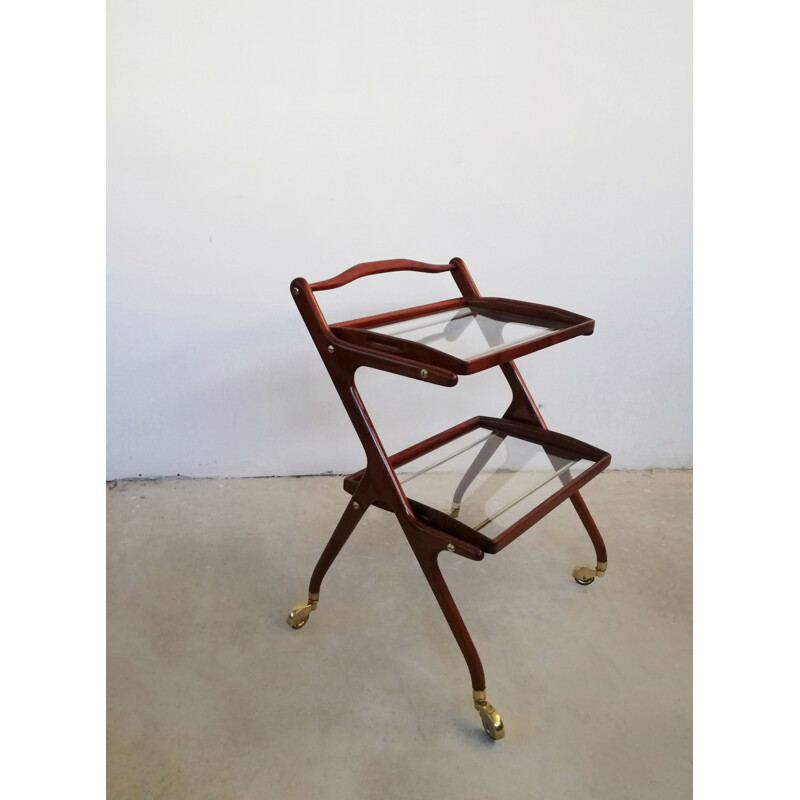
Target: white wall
{"points": [[249, 142]]}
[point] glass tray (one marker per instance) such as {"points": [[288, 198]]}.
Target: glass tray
{"points": [[517, 477], [488, 480], [465, 336], [465, 333]]}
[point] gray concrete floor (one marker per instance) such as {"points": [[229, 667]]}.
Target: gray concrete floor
{"points": [[212, 695]]}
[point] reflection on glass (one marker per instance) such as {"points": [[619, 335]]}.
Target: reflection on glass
{"points": [[464, 333], [487, 480]]}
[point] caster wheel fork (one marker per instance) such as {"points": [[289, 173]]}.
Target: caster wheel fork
{"points": [[299, 615]]}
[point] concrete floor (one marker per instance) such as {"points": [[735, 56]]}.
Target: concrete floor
{"points": [[212, 695]]}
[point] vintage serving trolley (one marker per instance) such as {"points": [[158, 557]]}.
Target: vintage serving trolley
{"points": [[476, 487]]}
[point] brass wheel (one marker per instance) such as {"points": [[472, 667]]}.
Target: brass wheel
{"points": [[586, 575], [492, 722], [490, 718], [298, 616]]}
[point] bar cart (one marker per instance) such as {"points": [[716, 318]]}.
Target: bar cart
{"points": [[472, 489]]}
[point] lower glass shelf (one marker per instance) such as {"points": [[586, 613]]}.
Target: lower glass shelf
{"points": [[488, 480]]}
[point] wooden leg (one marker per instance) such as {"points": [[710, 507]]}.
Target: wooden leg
{"points": [[298, 616], [583, 574], [347, 524], [591, 527], [427, 557]]}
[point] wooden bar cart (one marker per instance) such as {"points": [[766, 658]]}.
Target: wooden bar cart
{"points": [[476, 487]]}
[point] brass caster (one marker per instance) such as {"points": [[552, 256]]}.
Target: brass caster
{"points": [[298, 616], [586, 575], [492, 723]]}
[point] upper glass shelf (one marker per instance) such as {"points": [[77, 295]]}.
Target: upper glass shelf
{"points": [[465, 333]]}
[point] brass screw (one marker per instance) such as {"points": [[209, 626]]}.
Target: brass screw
{"points": [[355, 504], [423, 373], [331, 348], [295, 290], [451, 548]]}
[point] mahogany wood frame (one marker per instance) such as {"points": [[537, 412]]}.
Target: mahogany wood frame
{"points": [[344, 347]]}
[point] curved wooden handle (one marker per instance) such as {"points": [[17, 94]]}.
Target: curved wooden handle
{"points": [[375, 268]]}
